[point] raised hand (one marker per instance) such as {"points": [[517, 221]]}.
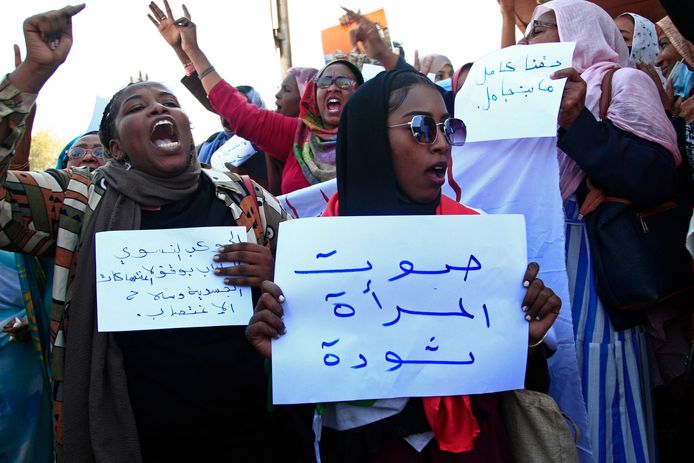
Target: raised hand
{"points": [[541, 305], [164, 22], [48, 38], [368, 34]]}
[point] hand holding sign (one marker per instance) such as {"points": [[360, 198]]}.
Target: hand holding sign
{"points": [[510, 94], [266, 323], [574, 97], [387, 310]]}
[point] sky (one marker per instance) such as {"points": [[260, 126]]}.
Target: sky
{"points": [[115, 40]]}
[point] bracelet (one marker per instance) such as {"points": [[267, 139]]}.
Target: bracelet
{"points": [[531, 346], [190, 69], [206, 72]]}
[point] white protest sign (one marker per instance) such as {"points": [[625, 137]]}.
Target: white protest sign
{"points": [[383, 307], [310, 201], [234, 151], [509, 93], [156, 279]]}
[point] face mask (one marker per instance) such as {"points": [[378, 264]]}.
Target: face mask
{"points": [[445, 84], [682, 80]]}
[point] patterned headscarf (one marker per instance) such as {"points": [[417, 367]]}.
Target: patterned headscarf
{"points": [[314, 145], [644, 45]]}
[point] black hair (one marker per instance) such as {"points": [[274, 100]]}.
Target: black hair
{"points": [[401, 85], [107, 127]]}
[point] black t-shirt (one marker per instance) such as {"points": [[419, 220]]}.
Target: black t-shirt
{"points": [[198, 394]]}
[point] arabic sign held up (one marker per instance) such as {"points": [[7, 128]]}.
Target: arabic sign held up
{"points": [[155, 279], [389, 309], [509, 94]]}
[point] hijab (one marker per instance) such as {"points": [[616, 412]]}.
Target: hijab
{"points": [[683, 46], [635, 105], [644, 45], [367, 186], [366, 181], [314, 145], [438, 62]]}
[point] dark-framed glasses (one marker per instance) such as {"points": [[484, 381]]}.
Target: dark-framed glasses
{"points": [[425, 130], [341, 82], [81, 152]]}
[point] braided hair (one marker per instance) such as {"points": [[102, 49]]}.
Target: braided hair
{"points": [[107, 126]]}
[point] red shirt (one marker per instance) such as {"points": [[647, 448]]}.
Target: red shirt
{"points": [[271, 132]]}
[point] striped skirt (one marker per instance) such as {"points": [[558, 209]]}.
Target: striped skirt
{"points": [[613, 365]]}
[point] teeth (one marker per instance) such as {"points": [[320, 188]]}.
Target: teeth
{"points": [[164, 122], [167, 145], [333, 100]]}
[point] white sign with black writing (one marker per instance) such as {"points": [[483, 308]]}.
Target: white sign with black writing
{"points": [[156, 279]]}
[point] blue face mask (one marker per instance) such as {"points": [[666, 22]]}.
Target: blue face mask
{"points": [[682, 80], [445, 84]]}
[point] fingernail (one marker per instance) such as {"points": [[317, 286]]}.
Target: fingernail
{"points": [[220, 249], [537, 318], [281, 298], [218, 271], [227, 281], [524, 308], [528, 317], [217, 257], [526, 284]]}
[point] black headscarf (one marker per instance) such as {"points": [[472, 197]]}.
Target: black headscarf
{"points": [[366, 182]]}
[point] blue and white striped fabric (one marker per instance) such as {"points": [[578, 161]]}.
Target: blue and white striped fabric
{"points": [[613, 365]]}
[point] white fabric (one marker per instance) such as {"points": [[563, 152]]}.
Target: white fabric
{"points": [[522, 177]]}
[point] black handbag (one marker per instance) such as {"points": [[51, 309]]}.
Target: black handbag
{"points": [[639, 255]]}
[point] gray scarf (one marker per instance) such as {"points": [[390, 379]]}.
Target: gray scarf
{"points": [[98, 421]]}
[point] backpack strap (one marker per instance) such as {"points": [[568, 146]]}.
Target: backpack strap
{"points": [[596, 195], [606, 96]]}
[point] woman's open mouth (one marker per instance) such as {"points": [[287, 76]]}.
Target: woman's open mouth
{"points": [[437, 172], [333, 105], [164, 135]]}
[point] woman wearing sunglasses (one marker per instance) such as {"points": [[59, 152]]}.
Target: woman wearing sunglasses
{"points": [[393, 150], [306, 145]]}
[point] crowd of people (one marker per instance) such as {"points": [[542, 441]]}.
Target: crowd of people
{"points": [[625, 135]]}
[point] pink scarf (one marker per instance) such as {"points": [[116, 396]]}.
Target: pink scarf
{"points": [[635, 105]]}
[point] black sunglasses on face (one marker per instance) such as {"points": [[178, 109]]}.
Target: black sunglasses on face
{"points": [[424, 130]]}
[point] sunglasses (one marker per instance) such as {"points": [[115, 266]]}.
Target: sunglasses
{"points": [[424, 130], [341, 82], [81, 152]]}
